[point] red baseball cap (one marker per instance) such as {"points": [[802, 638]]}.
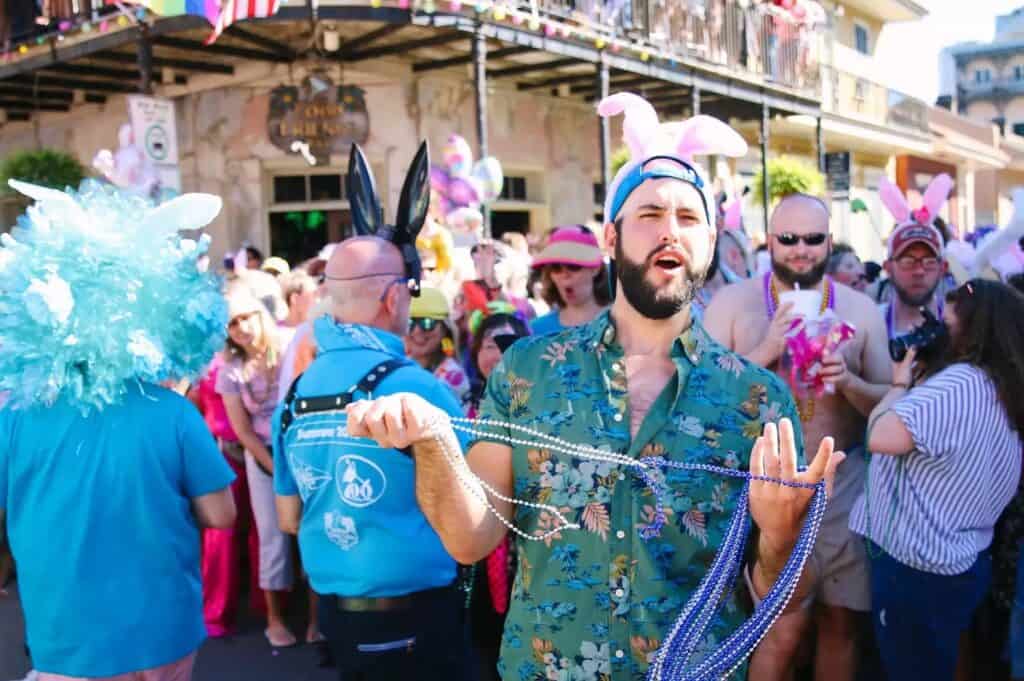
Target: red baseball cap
{"points": [[906, 235]]}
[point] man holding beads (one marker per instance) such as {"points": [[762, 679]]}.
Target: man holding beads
{"points": [[641, 380]]}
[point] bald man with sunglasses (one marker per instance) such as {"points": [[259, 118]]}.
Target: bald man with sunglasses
{"points": [[749, 318]]}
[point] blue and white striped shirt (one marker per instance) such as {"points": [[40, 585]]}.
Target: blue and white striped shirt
{"points": [[934, 509]]}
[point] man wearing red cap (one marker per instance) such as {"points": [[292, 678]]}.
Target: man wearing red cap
{"points": [[916, 267], [575, 279]]}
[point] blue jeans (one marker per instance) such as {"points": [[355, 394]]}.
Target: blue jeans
{"points": [[1017, 623], [919, 616]]}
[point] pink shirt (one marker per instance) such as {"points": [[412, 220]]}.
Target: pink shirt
{"points": [[258, 390]]}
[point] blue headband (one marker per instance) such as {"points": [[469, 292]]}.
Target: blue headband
{"points": [[637, 176]]}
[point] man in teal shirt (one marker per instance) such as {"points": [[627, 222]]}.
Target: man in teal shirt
{"points": [[641, 380]]}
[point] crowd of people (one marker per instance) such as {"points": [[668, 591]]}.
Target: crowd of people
{"points": [[664, 332]]}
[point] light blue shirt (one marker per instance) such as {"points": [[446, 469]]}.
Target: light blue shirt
{"points": [[545, 324], [362, 533], [101, 526]]}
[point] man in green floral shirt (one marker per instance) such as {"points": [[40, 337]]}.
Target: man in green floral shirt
{"points": [[641, 380]]}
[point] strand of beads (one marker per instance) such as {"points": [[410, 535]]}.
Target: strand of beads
{"points": [[690, 627], [738, 647]]}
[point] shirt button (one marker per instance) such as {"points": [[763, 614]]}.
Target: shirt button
{"points": [[619, 593], [617, 417], [620, 534], [620, 653]]}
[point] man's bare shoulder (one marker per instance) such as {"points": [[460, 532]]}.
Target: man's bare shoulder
{"points": [[736, 297]]}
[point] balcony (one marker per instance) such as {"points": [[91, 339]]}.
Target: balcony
{"points": [[996, 88], [25, 21], [731, 57], [856, 97], [748, 41]]}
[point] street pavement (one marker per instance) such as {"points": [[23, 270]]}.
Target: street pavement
{"points": [[243, 657]]}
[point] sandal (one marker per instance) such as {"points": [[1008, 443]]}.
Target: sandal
{"points": [[285, 640]]}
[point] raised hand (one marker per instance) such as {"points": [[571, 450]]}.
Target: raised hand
{"points": [[396, 421], [778, 509]]}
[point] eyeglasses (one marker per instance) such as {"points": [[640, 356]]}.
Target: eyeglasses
{"points": [[411, 284], [559, 267], [790, 239], [909, 262], [425, 323]]}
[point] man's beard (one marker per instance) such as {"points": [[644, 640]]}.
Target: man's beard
{"points": [[648, 300], [910, 301], [804, 280]]}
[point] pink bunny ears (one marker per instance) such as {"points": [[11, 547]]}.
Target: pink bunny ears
{"points": [[646, 137], [733, 214], [935, 197]]}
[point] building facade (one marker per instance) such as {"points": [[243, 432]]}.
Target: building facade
{"points": [[518, 81]]}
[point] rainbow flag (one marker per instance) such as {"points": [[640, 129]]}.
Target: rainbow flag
{"points": [[169, 8]]}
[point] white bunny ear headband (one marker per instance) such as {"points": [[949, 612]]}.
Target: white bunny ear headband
{"points": [[648, 140]]}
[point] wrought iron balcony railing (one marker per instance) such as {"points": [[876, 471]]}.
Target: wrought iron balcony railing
{"points": [[755, 40], [749, 40]]}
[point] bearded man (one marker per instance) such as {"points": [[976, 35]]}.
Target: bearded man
{"points": [[642, 379], [751, 319]]}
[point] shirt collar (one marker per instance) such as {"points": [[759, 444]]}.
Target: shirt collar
{"points": [[334, 335], [691, 343]]}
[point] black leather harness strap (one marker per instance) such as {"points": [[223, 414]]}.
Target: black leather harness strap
{"points": [[297, 406]]}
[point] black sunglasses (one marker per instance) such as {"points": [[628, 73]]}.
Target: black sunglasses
{"points": [[425, 323], [790, 239]]}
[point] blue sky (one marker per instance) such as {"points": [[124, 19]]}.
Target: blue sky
{"points": [[910, 51]]}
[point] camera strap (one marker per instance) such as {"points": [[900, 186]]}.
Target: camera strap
{"points": [[890, 317]]}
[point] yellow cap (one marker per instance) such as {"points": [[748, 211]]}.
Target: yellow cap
{"points": [[276, 264], [431, 304]]}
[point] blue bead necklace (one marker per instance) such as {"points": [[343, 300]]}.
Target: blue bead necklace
{"points": [[672, 659]]}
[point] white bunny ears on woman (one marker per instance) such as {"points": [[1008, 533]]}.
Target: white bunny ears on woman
{"points": [[935, 197], [646, 137]]}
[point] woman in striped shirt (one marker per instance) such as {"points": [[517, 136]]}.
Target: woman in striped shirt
{"points": [[947, 460]]}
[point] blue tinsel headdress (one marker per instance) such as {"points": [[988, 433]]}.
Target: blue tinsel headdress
{"points": [[97, 288]]}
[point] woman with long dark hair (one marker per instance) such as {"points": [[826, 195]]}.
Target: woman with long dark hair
{"points": [[946, 445]]}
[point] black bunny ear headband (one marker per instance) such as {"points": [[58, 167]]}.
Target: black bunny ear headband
{"points": [[368, 214]]}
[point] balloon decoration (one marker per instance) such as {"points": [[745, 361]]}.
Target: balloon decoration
{"points": [[460, 186], [128, 167]]}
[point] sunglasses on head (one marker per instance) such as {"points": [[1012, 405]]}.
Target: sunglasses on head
{"points": [[558, 267], [424, 323], [790, 239]]}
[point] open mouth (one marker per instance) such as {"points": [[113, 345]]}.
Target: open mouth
{"points": [[569, 291], [669, 262]]}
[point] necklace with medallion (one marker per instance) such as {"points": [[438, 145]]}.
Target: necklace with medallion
{"points": [[804, 406]]}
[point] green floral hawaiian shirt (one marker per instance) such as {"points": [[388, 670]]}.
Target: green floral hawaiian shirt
{"points": [[595, 603]]}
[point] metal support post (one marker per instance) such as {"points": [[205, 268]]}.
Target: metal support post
{"points": [[604, 128], [765, 113]]}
